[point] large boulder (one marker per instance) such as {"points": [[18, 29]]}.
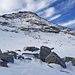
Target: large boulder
{"points": [[3, 64], [54, 58], [44, 52], [7, 58], [30, 48]]}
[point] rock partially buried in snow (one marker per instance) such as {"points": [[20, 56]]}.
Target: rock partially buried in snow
{"points": [[30, 48], [6, 57], [14, 54], [3, 64], [73, 61], [67, 59], [54, 58], [44, 52]]}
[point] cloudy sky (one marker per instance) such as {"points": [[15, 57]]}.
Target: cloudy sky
{"points": [[58, 11]]}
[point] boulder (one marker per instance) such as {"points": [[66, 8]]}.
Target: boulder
{"points": [[67, 59], [7, 58], [30, 48], [54, 58], [44, 52], [3, 64], [73, 61]]}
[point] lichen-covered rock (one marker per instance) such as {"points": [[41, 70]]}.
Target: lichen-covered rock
{"points": [[67, 59], [54, 58]]}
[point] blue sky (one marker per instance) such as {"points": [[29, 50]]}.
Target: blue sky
{"points": [[61, 12]]}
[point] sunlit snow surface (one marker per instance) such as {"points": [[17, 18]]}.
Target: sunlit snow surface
{"points": [[64, 45]]}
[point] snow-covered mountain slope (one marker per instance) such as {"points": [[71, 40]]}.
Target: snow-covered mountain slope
{"points": [[18, 31], [23, 21]]}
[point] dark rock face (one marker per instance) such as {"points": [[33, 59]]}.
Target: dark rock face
{"points": [[44, 52], [7, 58], [54, 58], [30, 48], [73, 61], [3, 64], [52, 29]]}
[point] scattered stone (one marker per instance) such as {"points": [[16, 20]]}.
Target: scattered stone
{"points": [[20, 57], [54, 58], [3, 64], [7, 58], [44, 52], [30, 48]]}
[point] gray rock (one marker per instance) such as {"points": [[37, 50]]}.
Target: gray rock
{"points": [[0, 51], [7, 58], [44, 52], [3, 64], [54, 58], [30, 48], [73, 61], [67, 59], [14, 54]]}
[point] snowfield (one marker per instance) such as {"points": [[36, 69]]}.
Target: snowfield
{"points": [[63, 44]]}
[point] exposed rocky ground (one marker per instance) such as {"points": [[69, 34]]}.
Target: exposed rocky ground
{"points": [[45, 55], [28, 21]]}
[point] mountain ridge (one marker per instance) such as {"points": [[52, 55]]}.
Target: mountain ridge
{"points": [[26, 20]]}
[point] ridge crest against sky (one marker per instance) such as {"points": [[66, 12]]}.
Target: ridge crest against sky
{"points": [[61, 12]]}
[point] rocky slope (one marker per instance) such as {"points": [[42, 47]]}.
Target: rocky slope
{"points": [[29, 21]]}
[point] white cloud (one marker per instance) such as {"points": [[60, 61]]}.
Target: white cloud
{"points": [[71, 22], [29, 5], [55, 17], [47, 13]]}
